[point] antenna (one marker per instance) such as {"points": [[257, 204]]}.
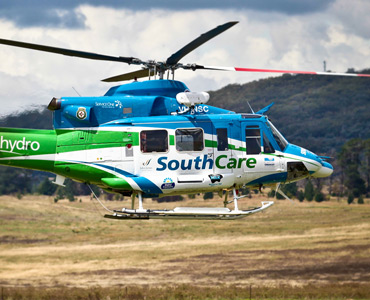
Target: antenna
{"points": [[76, 91], [324, 62], [251, 108]]}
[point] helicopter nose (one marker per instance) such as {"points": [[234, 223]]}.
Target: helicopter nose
{"points": [[325, 170]]}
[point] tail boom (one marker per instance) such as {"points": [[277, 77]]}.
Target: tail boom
{"points": [[28, 148]]}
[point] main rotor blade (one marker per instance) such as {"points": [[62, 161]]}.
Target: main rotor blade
{"points": [[76, 53], [129, 76], [205, 37], [199, 67]]}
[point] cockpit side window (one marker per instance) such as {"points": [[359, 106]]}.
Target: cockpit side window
{"points": [[280, 140], [253, 139], [267, 147]]}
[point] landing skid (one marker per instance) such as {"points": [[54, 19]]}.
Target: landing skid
{"points": [[192, 213]]}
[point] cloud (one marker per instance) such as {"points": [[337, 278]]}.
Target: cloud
{"points": [[65, 14], [261, 40], [354, 16], [41, 13]]}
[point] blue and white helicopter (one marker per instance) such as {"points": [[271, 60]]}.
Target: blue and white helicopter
{"points": [[156, 138]]}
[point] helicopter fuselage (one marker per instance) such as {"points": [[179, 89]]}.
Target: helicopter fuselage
{"points": [[138, 138]]}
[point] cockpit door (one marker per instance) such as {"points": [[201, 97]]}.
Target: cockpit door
{"points": [[261, 163]]}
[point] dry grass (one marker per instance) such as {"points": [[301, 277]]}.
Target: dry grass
{"points": [[306, 249]]}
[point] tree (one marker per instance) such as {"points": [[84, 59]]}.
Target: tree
{"points": [[309, 191], [65, 192], [350, 159], [355, 183], [300, 196], [350, 198], [15, 181], [290, 189], [46, 187], [365, 167], [319, 197], [208, 195]]}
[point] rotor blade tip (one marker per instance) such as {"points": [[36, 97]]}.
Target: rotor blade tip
{"points": [[232, 23]]}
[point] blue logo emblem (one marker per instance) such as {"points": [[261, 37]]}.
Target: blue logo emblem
{"points": [[269, 161], [167, 184], [215, 177]]}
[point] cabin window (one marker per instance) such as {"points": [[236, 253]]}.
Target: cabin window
{"points": [[253, 140], [154, 141], [222, 141], [267, 147], [190, 139]]}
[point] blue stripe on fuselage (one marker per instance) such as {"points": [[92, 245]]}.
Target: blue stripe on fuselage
{"points": [[273, 178], [145, 184]]}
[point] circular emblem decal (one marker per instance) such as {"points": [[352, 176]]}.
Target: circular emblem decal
{"points": [[167, 184], [81, 113]]}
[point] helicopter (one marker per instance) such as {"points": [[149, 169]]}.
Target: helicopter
{"points": [[157, 138]]}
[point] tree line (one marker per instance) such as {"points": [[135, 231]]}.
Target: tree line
{"points": [[351, 180]]}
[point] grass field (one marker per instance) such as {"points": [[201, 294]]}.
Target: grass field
{"points": [[292, 251]]}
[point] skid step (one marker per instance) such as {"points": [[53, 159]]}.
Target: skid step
{"points": [[193, 213]]}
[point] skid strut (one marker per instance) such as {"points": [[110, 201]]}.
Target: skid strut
{"points": [[235, 199]]}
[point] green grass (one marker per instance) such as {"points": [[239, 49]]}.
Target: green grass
{"points": [[190, 292]]}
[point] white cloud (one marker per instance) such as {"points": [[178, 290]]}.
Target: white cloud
{"points": [[260, 40]]}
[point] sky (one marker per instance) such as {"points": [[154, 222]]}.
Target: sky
{"points": [[273, 34]]}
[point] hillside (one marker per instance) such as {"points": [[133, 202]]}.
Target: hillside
{"points": [[37, 119], [317, 112]]}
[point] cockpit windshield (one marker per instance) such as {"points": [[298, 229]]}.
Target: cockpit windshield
{"points": [[280, 140]]}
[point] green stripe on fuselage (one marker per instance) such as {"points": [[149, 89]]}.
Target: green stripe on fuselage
{"points": [[76, 140]]}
